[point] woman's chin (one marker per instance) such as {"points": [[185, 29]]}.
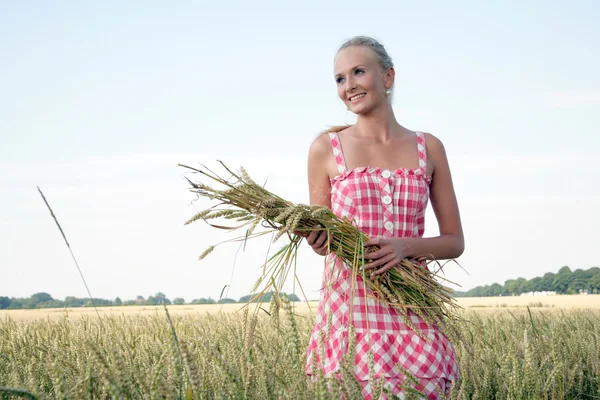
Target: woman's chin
{"points": [[361, 109]]}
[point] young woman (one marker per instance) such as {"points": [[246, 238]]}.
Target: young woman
{"points": [[381, 176]]}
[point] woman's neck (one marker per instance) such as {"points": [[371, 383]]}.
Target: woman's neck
{"points": [[379, 125]]}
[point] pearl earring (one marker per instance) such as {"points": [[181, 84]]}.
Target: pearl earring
{"points": [[388, 92]]}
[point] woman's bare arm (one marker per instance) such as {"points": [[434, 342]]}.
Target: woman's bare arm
{"points": [[319, 186], [450, 243], [319, 155]]}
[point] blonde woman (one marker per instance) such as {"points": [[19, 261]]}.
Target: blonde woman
{"points": [[380, 175]]}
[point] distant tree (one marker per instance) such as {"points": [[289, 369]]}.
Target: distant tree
{"points": [[515, 286], [485, 291], [40, 298], [565, 270], [4, 302], [521, 285], [73, 302], [151, 300], [592, 271], [245, 299], [563, 279], [118, 302], [178, 301], [159, 298], [226, 301], [266, 297], [204, 301], [97, 302], [496, 289], [535, 284], [293, 297], [16, 304], [476, 291], [140, 298], [547, 282], [595, 282], [510, 286], [51, 304], [579, 281]]}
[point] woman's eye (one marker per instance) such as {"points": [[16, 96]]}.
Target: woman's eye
{"points": [[339, 79], [358, 71]]}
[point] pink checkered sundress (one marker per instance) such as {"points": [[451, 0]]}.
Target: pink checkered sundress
{"points": [[382, 203]]}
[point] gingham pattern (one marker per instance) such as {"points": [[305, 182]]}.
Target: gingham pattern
{"points": [[432, 388], [382, 203]]}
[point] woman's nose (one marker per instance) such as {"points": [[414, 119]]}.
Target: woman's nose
{"points": [[350, 84]]}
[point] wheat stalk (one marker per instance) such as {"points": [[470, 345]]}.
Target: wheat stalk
{"points": [[407, 287]]}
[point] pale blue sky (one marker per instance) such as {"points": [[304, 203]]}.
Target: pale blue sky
{"points": [[100, 101]]}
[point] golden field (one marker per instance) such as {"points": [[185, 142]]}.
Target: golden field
{"points": [[468, 303], [196, 352]]}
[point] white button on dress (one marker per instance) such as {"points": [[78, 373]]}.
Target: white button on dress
{"points": [[389, 225], [386, 200], [386, 174]]}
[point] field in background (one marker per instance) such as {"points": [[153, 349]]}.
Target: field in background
{"points": [[475, 303], [558, 301], [503, 355]]}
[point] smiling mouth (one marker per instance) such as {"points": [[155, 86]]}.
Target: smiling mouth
{"points": [[358, 96]]}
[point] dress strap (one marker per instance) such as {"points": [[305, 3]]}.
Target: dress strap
{"points": [[337, 152], [422, 150]]}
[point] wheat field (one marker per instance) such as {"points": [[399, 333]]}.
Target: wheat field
{"points": [[513, 353], [557, 302]]}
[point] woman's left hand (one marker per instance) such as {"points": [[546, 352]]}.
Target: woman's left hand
{"points": [[391, 252]]}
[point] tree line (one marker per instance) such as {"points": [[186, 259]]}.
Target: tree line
{"points": [[45, 300], [563, 282]]}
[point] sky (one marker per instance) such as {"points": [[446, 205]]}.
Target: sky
{"points": [[100, 102]]}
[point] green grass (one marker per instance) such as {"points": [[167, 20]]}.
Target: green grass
{"points": [[515, 355]]}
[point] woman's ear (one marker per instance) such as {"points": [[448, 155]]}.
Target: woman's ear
{"points": [[390, 76]]}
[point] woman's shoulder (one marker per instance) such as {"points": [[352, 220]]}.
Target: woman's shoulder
{"points": [[338, 129], [436, 152], [322, 143], [433, 143], [428, 136]]}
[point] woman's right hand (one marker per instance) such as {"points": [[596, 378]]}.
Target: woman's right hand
{"points": [[317, 240]]}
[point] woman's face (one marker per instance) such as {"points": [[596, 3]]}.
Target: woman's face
{"points": [[360, 80]]}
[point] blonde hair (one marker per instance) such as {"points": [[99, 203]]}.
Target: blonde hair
{"points": [[383, 58], [335, 128]]}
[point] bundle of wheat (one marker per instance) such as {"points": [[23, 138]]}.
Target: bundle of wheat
{"points": [[409, 286]]}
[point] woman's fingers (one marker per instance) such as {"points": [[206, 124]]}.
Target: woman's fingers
{"points": [[383, 250], [376, 254], [321, 240], [312, 237], [380, 261], [387, 266], [322, 251], [317, 239]]}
